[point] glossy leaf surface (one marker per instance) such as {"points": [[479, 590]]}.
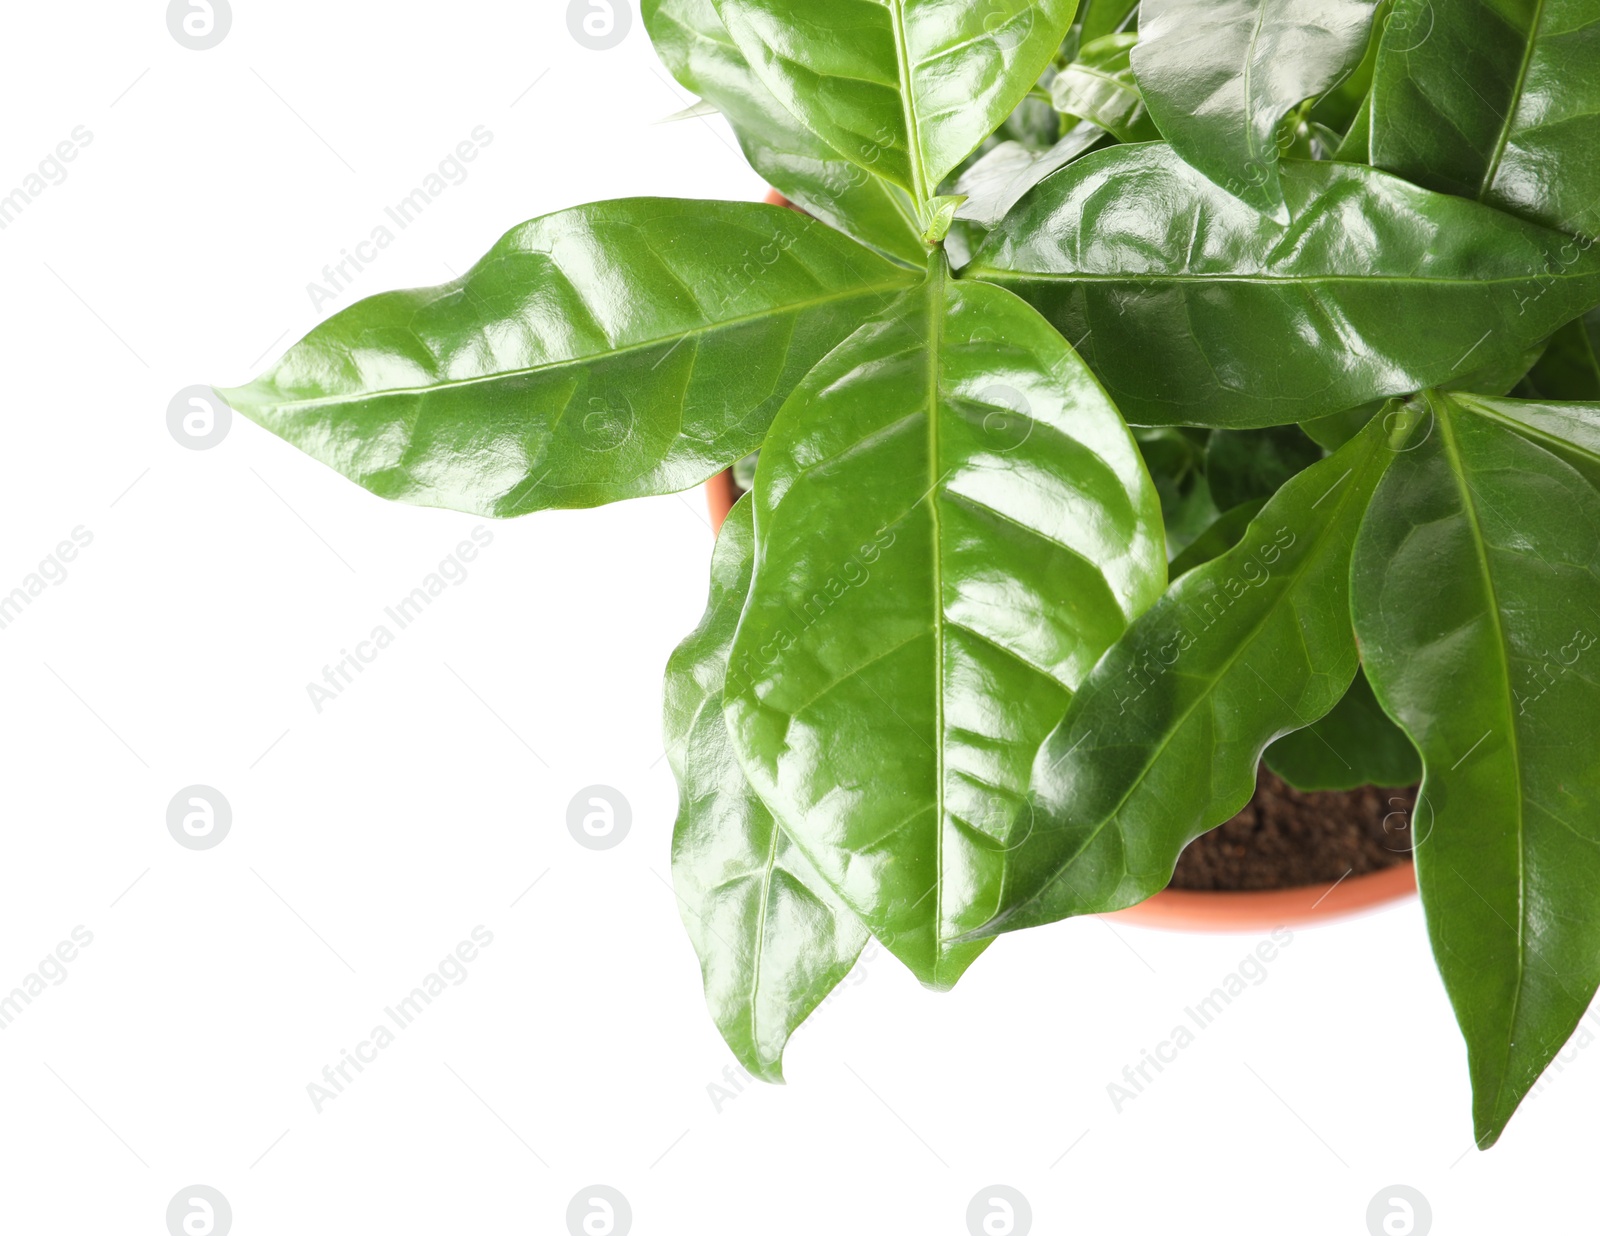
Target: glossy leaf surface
{"points": [[696, 47], [1162, 742], [1193, 308], [904, 88], [1099, 87], [606, 352], [1497, 100], [1477, 599], [952, 525], [1569, 431], [1354, 745], [772, 937], [1219, 75], [1343, 106]]}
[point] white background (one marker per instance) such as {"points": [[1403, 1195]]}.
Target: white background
{"points": [[369, 839]]}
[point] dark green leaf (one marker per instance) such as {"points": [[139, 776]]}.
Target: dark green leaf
{"points": [[1476, 596], [1356, 744], [952, 525], [1223, 533], [1192, 308], [1218, 76], [772, 937], [1497, 100], [1569, 369], [1162, 742], [691, 40], [1176, 461], [904, 88], [1333, 431], [1242, 464], [1099, 88], [605, 352]]}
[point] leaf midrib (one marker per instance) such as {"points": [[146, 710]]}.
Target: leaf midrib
{"points": [[503, 375], [1001, 275], [1249, 71], [908, 104], [936, 317], [1503, 139], [1470, 510]]}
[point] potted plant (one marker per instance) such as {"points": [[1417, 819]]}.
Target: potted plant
{"points": [[977, 655]]}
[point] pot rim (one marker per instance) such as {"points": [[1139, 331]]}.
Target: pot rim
{"points": [[1185, 909]]}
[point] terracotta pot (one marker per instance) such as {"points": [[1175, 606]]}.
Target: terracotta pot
{"points": [[1181, 909]]}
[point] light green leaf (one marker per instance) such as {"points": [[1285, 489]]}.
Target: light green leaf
{"points": [[1099, 87], [1569, 431], [1219, 75], [692, 42], [941, 214], [999, 180], [606, 352], [1356, 145], [1195, 309], [772, 937], [1497, 100], [1476, 596], [1162, 742], [952, 525], [905, 88]]}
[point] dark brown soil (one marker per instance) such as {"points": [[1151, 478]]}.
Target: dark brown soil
{"points": [[1285, 838]]}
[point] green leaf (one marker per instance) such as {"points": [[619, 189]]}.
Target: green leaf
{"points": [[1343, 106], [772, 937], [999, 180], [605, 352], [1334, 430], [941, 214], [1354, 745], [1192, 308], [1099, 88], [1497, 100], [904, 88], [1569, 369], [1176, 460], [1242, 464], [1569, 431], [1099, 18], [1163, 740], [952, 525], [1221, 535], [1218, 76], [1476, 596], [1356, 147], [697, 49]]}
